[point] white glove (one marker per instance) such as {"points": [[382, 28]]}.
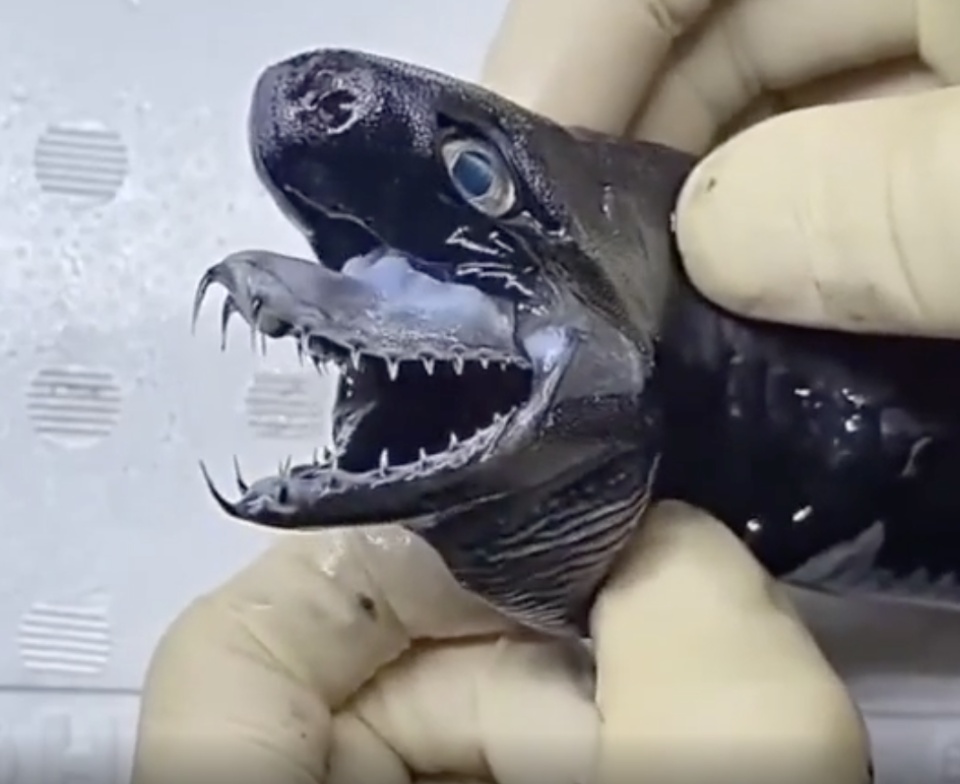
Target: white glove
{"points": [[348, 656]]}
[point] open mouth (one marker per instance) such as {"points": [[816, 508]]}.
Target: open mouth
{"points": [[432, 376], [421, 412]]}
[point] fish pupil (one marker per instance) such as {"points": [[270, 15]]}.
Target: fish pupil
{"points": [[474, 173]]}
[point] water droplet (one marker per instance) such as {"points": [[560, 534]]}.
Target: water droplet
{"points": [[608, 202]]}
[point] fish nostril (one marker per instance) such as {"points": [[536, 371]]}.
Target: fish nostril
{"points": [[335, 107]]}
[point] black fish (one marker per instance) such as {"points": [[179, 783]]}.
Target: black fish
{"points": [[524, 364]]}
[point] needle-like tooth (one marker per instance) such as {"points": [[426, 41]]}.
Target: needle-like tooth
{"points": [[355, 358], [458, 365], [255, 307], [503, 364], [454, 441], [384, 460], [422, 455], [484, 363], [228, 507], [198, 298], [429, 364], [393, 368], [316, 456], [226, 312], [242, 486], [284, 467]]}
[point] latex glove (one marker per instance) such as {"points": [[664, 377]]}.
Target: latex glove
{"points": [[839, 216], [353, 656]]}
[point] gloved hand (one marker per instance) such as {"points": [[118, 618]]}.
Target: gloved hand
{"points": [[351, 656]]}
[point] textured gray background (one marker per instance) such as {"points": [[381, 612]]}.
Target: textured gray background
{"points": [[123, 173]]}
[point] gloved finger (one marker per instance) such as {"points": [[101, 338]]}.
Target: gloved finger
{"points": [[253, 671], [705, 672], [512, 711], [905, 77], [750, 47], [839, 216], [586, 62]]}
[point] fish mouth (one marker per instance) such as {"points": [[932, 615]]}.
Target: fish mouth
{"points": [[435, 379]]}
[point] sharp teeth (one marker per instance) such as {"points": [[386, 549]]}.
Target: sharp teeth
{"points": [[393, 369], [226, 312], [238, 477], [422, 456], [316, 457], [255, 307], [484, 363], [355, 357], [428, 364], [284, 467], [458, 365], [454, 441], [384, 460], [303, 345]]}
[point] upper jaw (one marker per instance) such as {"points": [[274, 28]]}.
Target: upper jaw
{"points": [[377, 306], [380, 312]]}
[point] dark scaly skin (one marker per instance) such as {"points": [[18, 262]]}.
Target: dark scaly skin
{"points": [[835, 457]]}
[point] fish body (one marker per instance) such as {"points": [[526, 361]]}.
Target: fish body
{"points": [[525, 366]]}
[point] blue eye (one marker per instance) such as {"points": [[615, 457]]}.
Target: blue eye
{"points": [[473, 173], [480, 176]]}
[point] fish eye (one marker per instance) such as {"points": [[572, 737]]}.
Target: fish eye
{"points": [[480, 176]]}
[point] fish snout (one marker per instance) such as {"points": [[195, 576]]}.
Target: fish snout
{"points": [[313, 96]]}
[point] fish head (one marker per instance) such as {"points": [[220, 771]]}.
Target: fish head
{"points": [[489, 285]]}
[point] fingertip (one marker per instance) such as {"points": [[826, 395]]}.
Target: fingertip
{"points": [[585, 62], [749, 52], [358, 754], [537, 714], [703, 671], [212, 704], [837, 216]]}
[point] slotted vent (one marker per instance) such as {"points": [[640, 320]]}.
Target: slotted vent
{"points": [[65, 639], [287, 406], [83, 161], [74, 405]]}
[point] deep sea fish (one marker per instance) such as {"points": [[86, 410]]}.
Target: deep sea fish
{"points": [[524, 366]]}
